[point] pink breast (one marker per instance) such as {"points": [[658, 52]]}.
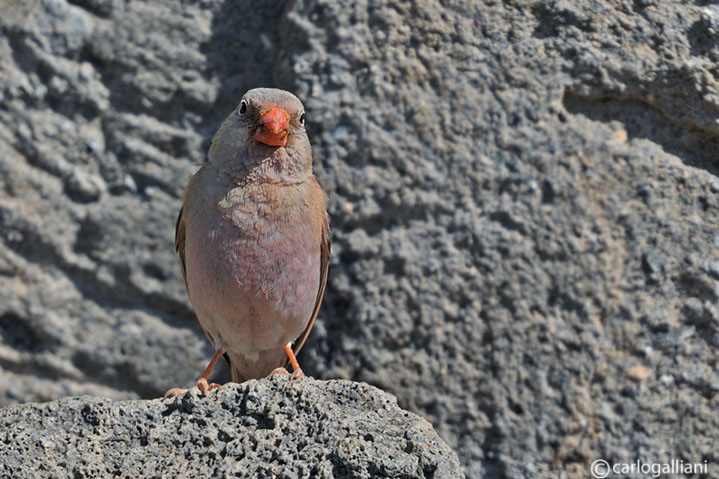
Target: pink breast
{"points": [[256, 293]]}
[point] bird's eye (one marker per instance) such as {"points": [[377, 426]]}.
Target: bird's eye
{"points": [[302, 118], [243, 107]]}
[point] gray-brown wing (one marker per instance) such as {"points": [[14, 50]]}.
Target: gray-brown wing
{"points": [[180, 248], [324, 267], [180, 242]]}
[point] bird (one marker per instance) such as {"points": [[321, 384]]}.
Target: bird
{"points": [[253, 239]]}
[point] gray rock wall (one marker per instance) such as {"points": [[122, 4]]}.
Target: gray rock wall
{"points": [[523, 196]]}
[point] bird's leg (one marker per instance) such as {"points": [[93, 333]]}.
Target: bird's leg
{"points": [[297, 372], [201, 382]]}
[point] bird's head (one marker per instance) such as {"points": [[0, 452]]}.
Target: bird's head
{"points": [[268, 126]]}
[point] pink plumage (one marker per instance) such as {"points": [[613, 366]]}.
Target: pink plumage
{"points": [[253, 237]]}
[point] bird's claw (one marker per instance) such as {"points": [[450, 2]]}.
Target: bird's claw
{"points": [[296, 374], [174, 392], [204, 387], [200, 384]]}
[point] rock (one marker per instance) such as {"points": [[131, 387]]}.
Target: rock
{"points": [[523, 198], [639, 373], [269, 428]]}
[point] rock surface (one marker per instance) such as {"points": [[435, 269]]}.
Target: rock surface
{"points": [[524, 197], [269, 428]]}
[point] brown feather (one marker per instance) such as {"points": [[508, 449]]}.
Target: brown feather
{"points": [[324, 267], [180, 248], [180, 242]]}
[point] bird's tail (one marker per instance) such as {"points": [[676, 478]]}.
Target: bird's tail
{"points": [[236, 376], [260, 369]]}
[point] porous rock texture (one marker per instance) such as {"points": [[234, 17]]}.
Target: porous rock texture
{"points": [[523, 197], [275, 427]]}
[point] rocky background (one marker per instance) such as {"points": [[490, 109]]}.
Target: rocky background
{"points": [[524, 199]]}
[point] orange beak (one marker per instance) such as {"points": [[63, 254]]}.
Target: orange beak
{"points": [[273, 128]]}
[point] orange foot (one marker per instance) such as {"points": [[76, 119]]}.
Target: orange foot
{"points": [[297, 372], [201, 383]]}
